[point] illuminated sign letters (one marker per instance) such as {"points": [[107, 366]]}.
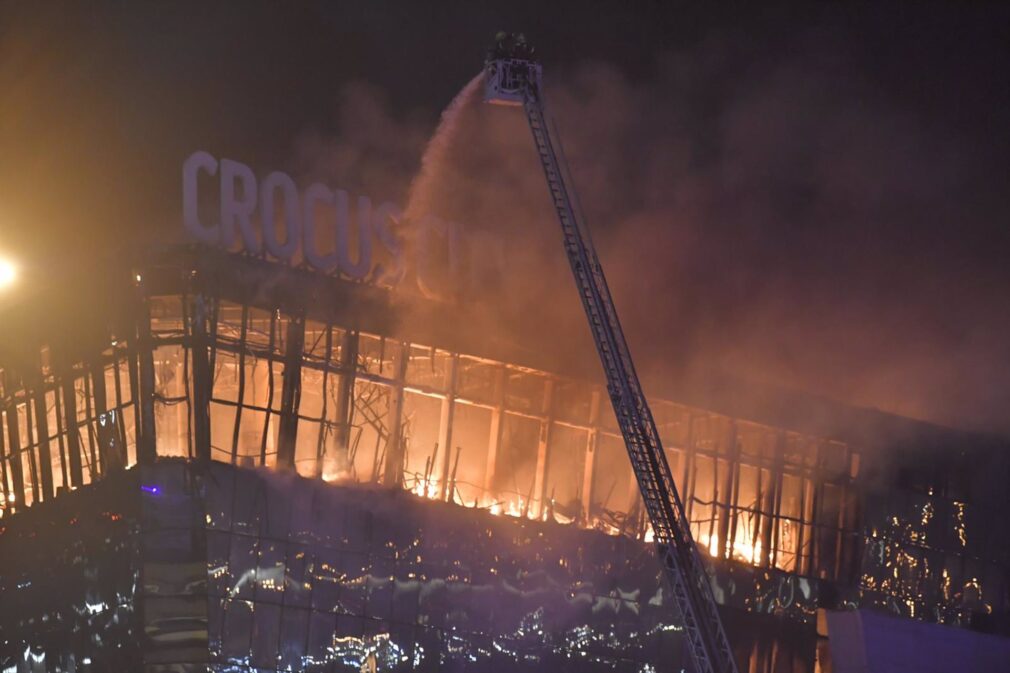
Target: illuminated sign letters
{"points": [[330, 229]]}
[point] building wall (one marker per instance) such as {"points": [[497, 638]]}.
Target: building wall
{"points": [[249, 378], [69, 583]]}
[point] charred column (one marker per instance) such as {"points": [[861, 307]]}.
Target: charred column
{"points": [[448, 411], [345, 395], [592, 441], [101, 408], [17, 473], [497, 428], [73, 432], [543, 445], [202, 381], [42, 428], [290, 393], [146, 440], [392, 473]]}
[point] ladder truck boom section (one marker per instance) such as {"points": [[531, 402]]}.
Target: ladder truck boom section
{"points": [[512, 77]]}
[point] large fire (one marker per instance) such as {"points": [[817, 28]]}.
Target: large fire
{"points": [[742, 549]]}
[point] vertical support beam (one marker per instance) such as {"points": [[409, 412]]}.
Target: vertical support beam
{"points": [[29, 452], [187, 346], [497, 428], [592, 441], [17, 471], [73, 432], [805, 548], [392, 469], [324, 425], [61, 434], [42, 428], [202, 380], [686, 485], [266, 439], [3, 467], [101, 407], [291, 393], [132, 369], [540, 479], [445, 419], [727, 532], [242, 348], [345, 399], [772, 508], [147, 451]]}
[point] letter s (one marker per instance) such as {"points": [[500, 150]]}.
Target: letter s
{"points": [[386, 214]]}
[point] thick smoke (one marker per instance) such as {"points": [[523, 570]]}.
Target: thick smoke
{"points": [[784, 220]]}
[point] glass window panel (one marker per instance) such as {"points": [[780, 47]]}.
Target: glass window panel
{"points": [[226, 376], [307, 447], [613, 486], [293, 639], [524, 391], [171, 420], [166, 315], [428, 367], [421, 418], [471, 432], [515, 467], [376, 355], [126, 392], [566, 458], [478, 379], [672, 421], [322, 628], [572, 401], [709, 432], [370, 429], [315, 340], [238, 626], [27, 472], [250, 437], [702, 511], [310, 403], [222, 428], [270, 571], [266, 635], [607, 420]]}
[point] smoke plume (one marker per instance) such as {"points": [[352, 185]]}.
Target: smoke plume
{"points": [[785, 220]]}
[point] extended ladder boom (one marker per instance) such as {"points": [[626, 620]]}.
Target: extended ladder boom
{"points": [[516, 81]]}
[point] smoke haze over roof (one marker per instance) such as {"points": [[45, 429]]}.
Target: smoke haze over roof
{"points": [[810, 198]]}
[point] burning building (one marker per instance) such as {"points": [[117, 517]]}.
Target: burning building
{"points": [[231, 464]]}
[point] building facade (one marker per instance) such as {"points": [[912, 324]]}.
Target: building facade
{"points": [[247, 466]]}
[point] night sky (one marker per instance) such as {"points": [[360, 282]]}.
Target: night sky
{"points": [[811, 196]]}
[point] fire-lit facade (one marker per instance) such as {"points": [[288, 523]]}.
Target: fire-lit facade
{"points": [[302, 482]]}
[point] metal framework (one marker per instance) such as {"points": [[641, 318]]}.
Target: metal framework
{"points": [[707, 642]]}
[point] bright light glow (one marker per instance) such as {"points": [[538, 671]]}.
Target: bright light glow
{"points": [[8, 272]]}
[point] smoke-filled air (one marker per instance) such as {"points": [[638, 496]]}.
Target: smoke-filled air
{"points": [[797, 226]]}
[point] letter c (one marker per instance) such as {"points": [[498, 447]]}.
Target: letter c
{"points": [[316, 193], [191, 168]]}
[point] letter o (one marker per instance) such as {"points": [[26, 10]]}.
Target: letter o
{"points": [[292, 215]]}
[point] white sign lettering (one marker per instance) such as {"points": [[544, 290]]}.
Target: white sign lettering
{"points": [[327, 228]]}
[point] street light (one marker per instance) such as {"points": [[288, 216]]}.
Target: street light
{"points": [[8, 273]]}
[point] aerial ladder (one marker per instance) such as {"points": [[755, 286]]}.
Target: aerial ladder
{"points": [[512, 76]]}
